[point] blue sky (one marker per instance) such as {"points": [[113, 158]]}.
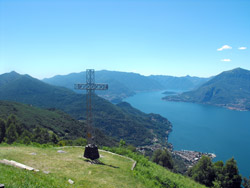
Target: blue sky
{"points": [[44, 38]]}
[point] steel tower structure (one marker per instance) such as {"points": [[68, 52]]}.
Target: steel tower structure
{"points": [[90, 86]]}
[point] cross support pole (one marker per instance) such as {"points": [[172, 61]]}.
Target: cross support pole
{"points": [[90, 86]]}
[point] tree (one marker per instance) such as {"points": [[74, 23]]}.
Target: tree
{"points": [[80, 142], [163, 158], [11, 134], [122, 143], [26, 140], [2, 130], [246, 182], [131, 148], [203, 172], [54, 138], [41, 136], [12, 119], [231, 177], [45, 136]]}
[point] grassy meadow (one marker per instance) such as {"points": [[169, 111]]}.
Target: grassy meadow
{"points": [[114, 172], [57, 168]]}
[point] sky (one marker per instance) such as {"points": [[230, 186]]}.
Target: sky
{"points": [[202, 38]]}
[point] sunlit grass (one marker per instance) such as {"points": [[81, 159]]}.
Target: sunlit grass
{"points": [[114, 172]]}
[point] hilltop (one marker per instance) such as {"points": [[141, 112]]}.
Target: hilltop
{"points": [[57, 168], [114, 120], [230, 89]]}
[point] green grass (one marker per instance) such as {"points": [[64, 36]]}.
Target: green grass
{"points": [[13, 177], [116, 171], [154, 175]]}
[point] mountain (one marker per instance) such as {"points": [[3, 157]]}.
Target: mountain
{"points": [[179, 83], [53, 120], [230, 89], [123, 84], [114, 120]]}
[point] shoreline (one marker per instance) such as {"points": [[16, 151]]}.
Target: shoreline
{"points": [[190, 157], [231, 107]]}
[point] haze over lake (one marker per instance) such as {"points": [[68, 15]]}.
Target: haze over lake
{"points": [[202, 127]]}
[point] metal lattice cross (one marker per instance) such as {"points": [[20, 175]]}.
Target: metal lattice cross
{"points": [[90, 86]]}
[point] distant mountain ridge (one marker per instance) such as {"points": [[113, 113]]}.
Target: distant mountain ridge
{"points": [[230, 89], [124, 84], [113, 120], [184, 83]]}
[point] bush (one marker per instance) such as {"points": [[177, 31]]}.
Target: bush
{"points": [[80, 142]]}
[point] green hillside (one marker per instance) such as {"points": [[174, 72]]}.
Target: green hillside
{"points": [[112, 119], [56, 121], [230, 89], [57, 168]]}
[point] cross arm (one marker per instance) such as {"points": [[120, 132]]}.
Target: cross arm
{"points": [[91, 86]]}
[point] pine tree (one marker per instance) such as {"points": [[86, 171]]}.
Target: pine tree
{"points": [[12, 119], [26, 137], [231, 177], [2, 130], [11, 134]]}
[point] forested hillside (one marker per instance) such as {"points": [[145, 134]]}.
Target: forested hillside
{"points": [[111, 119], [31, 120]]}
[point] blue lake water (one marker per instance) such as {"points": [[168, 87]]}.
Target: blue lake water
{"points": [[202, 128]]}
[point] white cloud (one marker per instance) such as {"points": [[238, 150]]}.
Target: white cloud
{"points": [[225, 47], [226, 60], [242, 48]]}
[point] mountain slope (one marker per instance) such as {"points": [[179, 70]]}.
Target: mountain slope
{"points": [[230, 89], [111, 119], [56, 121], [121, 84], [179, 83]]}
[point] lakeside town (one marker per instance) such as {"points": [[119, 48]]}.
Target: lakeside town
{"points": [[190, 158]]}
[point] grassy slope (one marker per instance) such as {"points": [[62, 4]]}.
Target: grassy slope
{"points": [[63, 166], [116, 171]]}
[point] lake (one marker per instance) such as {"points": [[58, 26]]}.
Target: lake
{"points": [[202, 128]]}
